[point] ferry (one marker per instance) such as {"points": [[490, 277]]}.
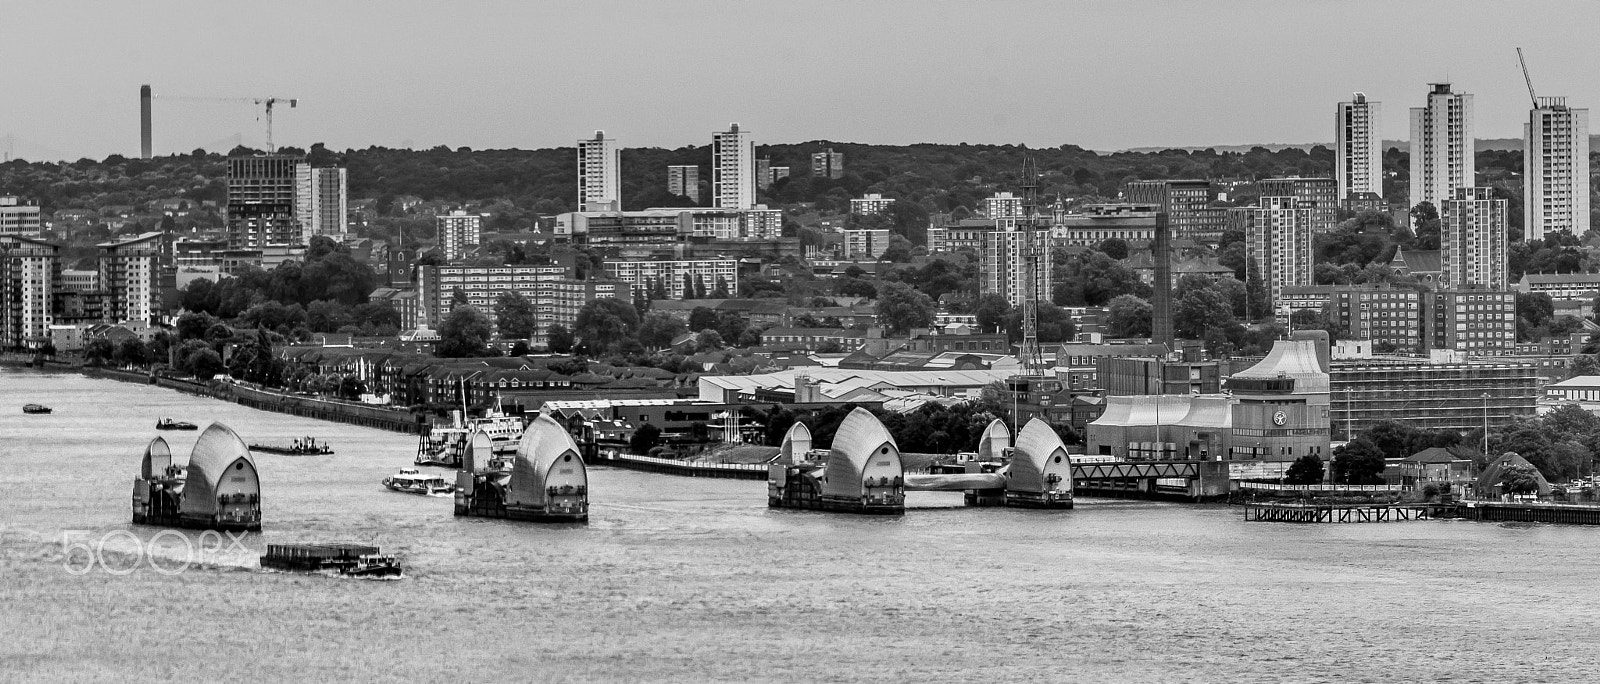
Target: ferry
{"points": [[35, 408], [444, 445], [170, 424], [340, 560], [411, 481]]}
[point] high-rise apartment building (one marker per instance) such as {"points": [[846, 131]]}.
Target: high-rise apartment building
{"points": [[733, 169], [1473, 239], [870, 203], [1441, 146], [130, 273], [1358, 148], [1187, 204], [1320, 195], [599, 174], [1277, 240], [1004, 267], [322, 202], [763, 173], [1555, 163], [827, 164], [684, 180], [261, 201], [459, 232], [18, 218], [1002, 205], [29, 271]]}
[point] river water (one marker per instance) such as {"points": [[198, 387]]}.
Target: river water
{"points": [[683, 579]]}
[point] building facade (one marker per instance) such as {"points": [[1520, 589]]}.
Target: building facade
{"points": [[1479, 321], [679, 278], [1358, 148], [870, 203], [1320, 195], [459, 233], [733, 169], [19, 218], [322, 202], [1474, 239], [556, 299], [1432, 396], [1555, 163], [599, 174], [864, 243], [261, 201], [828, 164], [1278, 242], [29, 274], [1134, 224], [1187, 204], [1004, 266], [129, 271], [1002, 205], [1442, 146], [683, 180]]}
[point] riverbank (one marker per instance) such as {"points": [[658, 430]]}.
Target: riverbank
{"points": [[351, 413]]}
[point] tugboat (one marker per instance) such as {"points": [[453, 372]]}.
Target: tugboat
{"points": [[299, 447], [410, 481], [170, 424], [444, 445], [35, 408], [339, 560]]}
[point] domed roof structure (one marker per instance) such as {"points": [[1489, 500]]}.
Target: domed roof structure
{"points": [[218, 451], [996, 437], [1039, 454], [157, 458], [796, 442], [1492, 475], [480, 448], [862, 448], [544, 445]]}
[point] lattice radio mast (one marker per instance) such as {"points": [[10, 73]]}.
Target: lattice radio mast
{"points": [[1032, 358]]}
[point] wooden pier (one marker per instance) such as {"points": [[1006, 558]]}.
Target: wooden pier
{"points": [[1332, 513]]}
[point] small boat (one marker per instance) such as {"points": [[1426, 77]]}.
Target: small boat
{"points": [[341, 560], [411, 481], [35, 408], [170, 424], [299, 447]]}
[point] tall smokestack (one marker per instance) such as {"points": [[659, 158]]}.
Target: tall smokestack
{"points": [[1161, 296], [144, 121]]}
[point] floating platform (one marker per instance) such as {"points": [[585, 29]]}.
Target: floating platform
{"points": [[1334, 513], [345, 560]]}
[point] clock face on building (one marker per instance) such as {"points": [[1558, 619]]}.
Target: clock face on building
{"points": [[1279, 418]]}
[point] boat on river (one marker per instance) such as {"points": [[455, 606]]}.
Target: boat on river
{"points": [[35, 408], [170, 424], [445, 445], [410, 481], [299, 447], [339, 560]]}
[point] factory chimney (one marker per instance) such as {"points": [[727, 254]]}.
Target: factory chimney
{"points": [[144, 121]]}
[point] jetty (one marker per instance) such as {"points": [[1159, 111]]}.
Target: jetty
{"points": [[219, 489], [1334, 513]]}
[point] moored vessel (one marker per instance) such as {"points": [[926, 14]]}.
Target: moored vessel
{"points": [[170, 424], [445, 445], [298, 447]]}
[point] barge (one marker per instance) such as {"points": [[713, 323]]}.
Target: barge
{"points": [[299, 447], [170, 424], [35, 408], [546, 480], [341, 560], [219, 489]]}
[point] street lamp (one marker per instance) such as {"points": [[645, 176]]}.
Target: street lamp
{"points": [[1486, 425]]}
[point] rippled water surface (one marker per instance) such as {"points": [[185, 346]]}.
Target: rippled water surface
{"points": [[691, 580]]}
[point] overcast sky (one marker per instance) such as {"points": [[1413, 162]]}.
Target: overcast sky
{"points": [[1102, 75]]}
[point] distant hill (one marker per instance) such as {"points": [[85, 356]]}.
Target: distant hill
{"points": [[1496, 144]]}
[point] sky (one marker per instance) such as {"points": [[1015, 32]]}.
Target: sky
{"points": [[532, 73]]}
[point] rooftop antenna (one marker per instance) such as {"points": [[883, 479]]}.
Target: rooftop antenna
{"points": [[1529, 79]]}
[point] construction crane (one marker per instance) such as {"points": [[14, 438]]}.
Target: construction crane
{"points": [[266, 103], [1033, 258], [1527, 78]]}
